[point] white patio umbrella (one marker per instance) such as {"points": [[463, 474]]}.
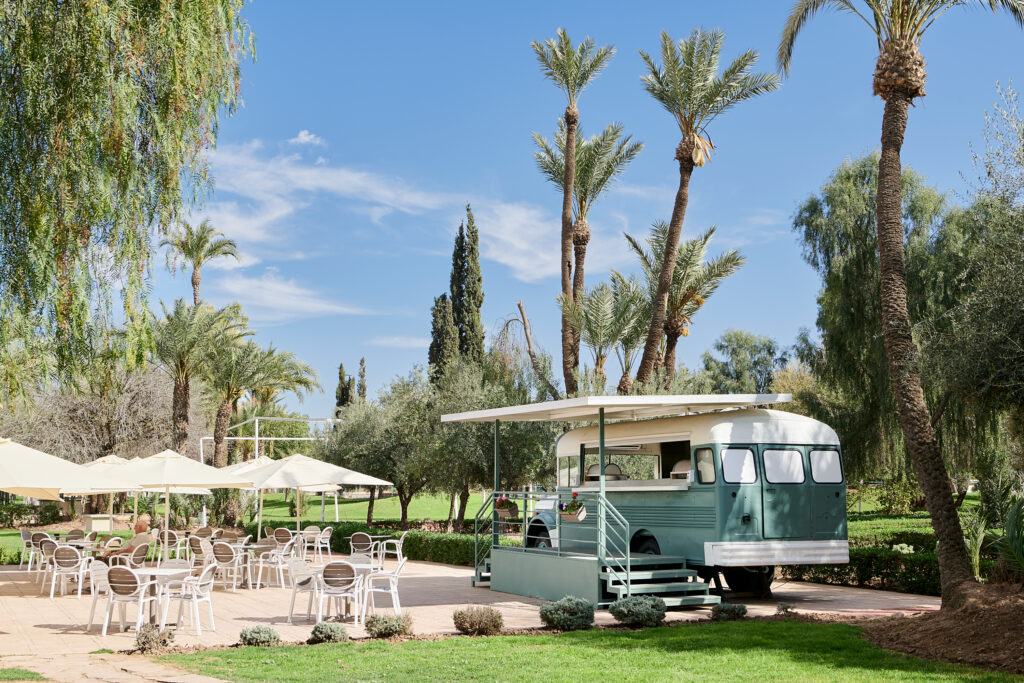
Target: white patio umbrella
{"points": [[169, 471], [303, 473], [27, 472]]}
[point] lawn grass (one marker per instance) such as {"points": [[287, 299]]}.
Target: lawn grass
{"points": [[426, 506], [16, 674], [745, 650]]}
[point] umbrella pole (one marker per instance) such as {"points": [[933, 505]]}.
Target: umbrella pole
{"points": [[167, 513], [323, 505], [259, 515], [335, 507], [135, 514], [110, 511], [298, 511]]}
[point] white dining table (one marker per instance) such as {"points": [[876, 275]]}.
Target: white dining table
{"points": [[168, 574]]}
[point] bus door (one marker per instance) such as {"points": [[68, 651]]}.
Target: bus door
{"points": [[740, 493], [787, 496]]}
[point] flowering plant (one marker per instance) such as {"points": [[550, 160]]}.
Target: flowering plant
{"points": [[573, 506], [504, 503]]}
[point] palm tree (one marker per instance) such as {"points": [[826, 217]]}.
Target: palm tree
{"points": [[197, 245], [571, 69], [630, 292], [689, 86], [231, 370], [694, 280], [182, 340], [600, 319], [284, 373], [898, 26], [599, 159]]}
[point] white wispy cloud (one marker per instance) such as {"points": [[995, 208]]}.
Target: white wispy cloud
{"points": [[400, 342], [245, 259], [271, 298], [760, 227], [306, 138], [649, 192]]}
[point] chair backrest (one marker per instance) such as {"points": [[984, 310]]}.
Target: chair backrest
{"points": [[263, 547], [195, 544], [223, 553], [67, 557], [26, 536], [38, 538], [75, 534], [360, 558], [217, 533], [48, 546], [204, 583], [98, 575], [339, 575], [310, 534], [139, 554], [204, 532], [325, 535], [401, 541], [168, 537], [91, 536], [113, 542], [268, 532], [360, 542], [401, 565], [282, 535], [123, 581], [244, 540], [207, 548], [298, 568]]}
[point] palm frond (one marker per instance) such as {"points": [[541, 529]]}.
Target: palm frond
{"points": [[571, 68]]}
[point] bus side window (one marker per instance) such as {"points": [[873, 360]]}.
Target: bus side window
{"points": [[705, 465]]}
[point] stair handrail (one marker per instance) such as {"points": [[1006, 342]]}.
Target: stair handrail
{"points": [[619, 568], [480, 554]]}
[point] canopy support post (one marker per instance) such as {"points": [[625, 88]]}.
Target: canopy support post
{"points": [[336, 519], [323, 505], [601, 488], [497, 486], [259, 515]]}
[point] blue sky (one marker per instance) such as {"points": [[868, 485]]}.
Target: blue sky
{"points": [[366, 129]]}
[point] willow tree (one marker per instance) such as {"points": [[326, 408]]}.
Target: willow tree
{"points": [[571, 68], [690, 86], [898, 27], [197, 244], [599, 159], [106, 110]]}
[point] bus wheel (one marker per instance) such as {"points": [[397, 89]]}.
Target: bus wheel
{"points": [[538, 537], [755, 581], [646, 545]]}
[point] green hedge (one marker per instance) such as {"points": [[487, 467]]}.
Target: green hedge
{"points": [[880, 568]]}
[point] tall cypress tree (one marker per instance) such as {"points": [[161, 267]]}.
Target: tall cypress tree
{"points": [[361, 386], [467, 290], [343, 394], [444, 337]]}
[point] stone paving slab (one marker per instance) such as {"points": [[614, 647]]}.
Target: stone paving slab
{"points": [[47, 635]]}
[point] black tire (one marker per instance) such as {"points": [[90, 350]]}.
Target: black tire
{"points": [[538, 537], [646, 545], [756, 581]]}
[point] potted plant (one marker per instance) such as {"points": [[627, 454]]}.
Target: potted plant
{"points": [[574, 510], [506, 507]]}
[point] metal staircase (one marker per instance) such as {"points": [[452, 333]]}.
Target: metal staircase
{"points": [[662, 575]]}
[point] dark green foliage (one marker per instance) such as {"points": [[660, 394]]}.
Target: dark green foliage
{"points": [[467, 290], [728, 611], [49, 513], [1011, 545], [477, 620], [11, 515], [897, 497], [747, 365], [389, 626], [639, 610], [568, 614], [328, 632], [259, 636], [343, 394], [361, 385], [444, 337], [150, 638]]}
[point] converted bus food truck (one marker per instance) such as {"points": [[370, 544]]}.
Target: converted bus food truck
{"points": [[671, 496]]}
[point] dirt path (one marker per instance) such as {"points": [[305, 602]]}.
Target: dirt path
{"points": [[115, 668]]}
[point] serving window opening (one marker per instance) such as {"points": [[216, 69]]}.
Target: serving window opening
{"points": [[647, 462]]}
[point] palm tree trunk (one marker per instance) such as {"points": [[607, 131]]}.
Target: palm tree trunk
{"points": [[196, 279], [954, 567], [684, 154], [220, 432], [670, 356], [580, 239], [570, 342], [179, 414]]}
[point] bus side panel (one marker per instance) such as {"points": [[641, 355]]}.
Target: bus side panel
{"points": [[681, 521]]}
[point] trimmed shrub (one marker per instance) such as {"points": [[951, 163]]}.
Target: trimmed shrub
{"points": [[328, 632], [785, 609], [639, 610], [568, 614], [730, 611], [150, 638], [11, 515], [49, 513], [385, 626], [259, 636], [477, 620]]}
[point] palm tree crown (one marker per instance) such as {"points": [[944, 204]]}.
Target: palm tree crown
{"points": [[197, 245], [601, 319], [571, 68], [689, 86]]}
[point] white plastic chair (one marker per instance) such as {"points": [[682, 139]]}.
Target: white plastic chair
{"points": [[263, 555], [230, 564], [391, 588], [45, 566], [304, 580], [35, 555], [167, 584], [341, 582], [68, 563], [323, 542], [133, 560], [126, 588], [26, 548], [98, 585], [392, 547], [276, 561], [309, 538], [194, 590], [169, 545]]}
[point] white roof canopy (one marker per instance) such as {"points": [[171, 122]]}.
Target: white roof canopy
{"points": [[170, 470], [300, 471], [27, 472], [616, 407]]}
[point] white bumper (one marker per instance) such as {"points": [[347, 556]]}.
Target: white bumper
{"points": [[741, 554]]}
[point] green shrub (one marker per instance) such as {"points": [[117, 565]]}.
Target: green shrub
{"points": [[568, 614], [974, 527], [259, 636], [10, 555], [897, 497], [12, 515], [476, 620], [785, 609], [328, 632], [728, 611], [150, 638], [639, 610], [385, 626], [49, 513], [1011, 545], [903, 548]]}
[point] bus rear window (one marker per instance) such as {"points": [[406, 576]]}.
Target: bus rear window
{"points": [[738, 466], [826, 467], [783, 466]]}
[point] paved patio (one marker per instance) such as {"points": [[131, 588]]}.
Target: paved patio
{"points": [[47, 635]]}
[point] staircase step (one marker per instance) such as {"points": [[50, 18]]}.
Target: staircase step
{"points": [[645, 559], [640, 574], [650, 588], [690, 600]]}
